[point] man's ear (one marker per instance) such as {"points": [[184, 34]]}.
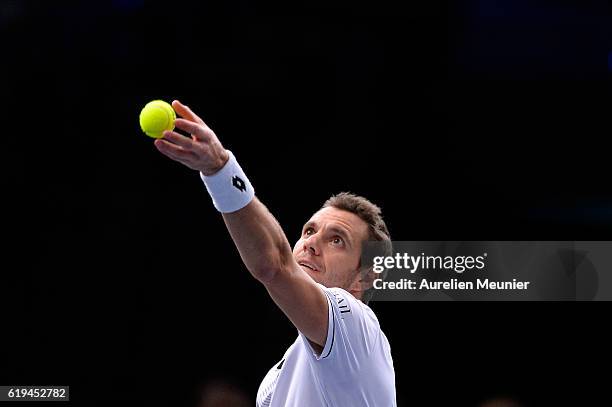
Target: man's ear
{"points": [[365, 279]]}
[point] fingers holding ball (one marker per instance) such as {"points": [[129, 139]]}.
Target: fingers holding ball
{"points": [[158, 116]]}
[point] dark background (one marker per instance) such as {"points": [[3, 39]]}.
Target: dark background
{"points": [[470, 120]]}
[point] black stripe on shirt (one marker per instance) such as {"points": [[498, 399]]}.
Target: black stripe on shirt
{"points": [[333, 328]]}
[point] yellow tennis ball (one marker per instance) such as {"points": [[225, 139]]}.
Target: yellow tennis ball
{"points": [[156, 117]]}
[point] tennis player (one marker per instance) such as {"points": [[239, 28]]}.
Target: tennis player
{"points": [[341, 357]]}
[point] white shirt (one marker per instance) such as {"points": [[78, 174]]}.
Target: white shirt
{"points": [[355, 368]]}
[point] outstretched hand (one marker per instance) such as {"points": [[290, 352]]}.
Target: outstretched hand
{"points": [[203, 152]]}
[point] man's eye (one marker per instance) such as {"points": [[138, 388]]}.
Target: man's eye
{"points": [[337, 240], [308, 232]]}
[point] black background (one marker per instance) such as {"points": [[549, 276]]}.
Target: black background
{"points": [[466, 120]]}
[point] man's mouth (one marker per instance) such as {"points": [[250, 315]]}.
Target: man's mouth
{"points": [[308, 265]]}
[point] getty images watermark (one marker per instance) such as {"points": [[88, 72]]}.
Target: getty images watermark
{"points": [[490, 270]]}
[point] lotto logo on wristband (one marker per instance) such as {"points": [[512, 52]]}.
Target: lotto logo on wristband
{"points": [[238, 183]]}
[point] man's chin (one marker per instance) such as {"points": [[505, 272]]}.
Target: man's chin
{"points": [[315, 275]]}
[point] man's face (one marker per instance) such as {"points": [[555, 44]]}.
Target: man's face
{"points": [[330, 248]]}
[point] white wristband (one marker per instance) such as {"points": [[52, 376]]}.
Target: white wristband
{"points": [[229, 188]]}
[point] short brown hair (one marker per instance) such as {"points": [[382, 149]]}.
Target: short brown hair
{"points": [[371, 214]]}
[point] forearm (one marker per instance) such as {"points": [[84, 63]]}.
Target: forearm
{"points": [[260, 240]]}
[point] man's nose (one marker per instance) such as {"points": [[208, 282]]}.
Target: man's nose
{"points": [[312, 245]]}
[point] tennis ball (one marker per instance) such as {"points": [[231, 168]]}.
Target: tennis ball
{"points": [[156, 117]]}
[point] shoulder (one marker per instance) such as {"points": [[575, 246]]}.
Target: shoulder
{"points": [[347, 307], [354, 333]]}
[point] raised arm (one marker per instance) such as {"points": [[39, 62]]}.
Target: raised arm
{"points": [[260, 240]]}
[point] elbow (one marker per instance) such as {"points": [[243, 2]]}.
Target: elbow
{"points": [[270, 266], [264, 275], [265, 269]]}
